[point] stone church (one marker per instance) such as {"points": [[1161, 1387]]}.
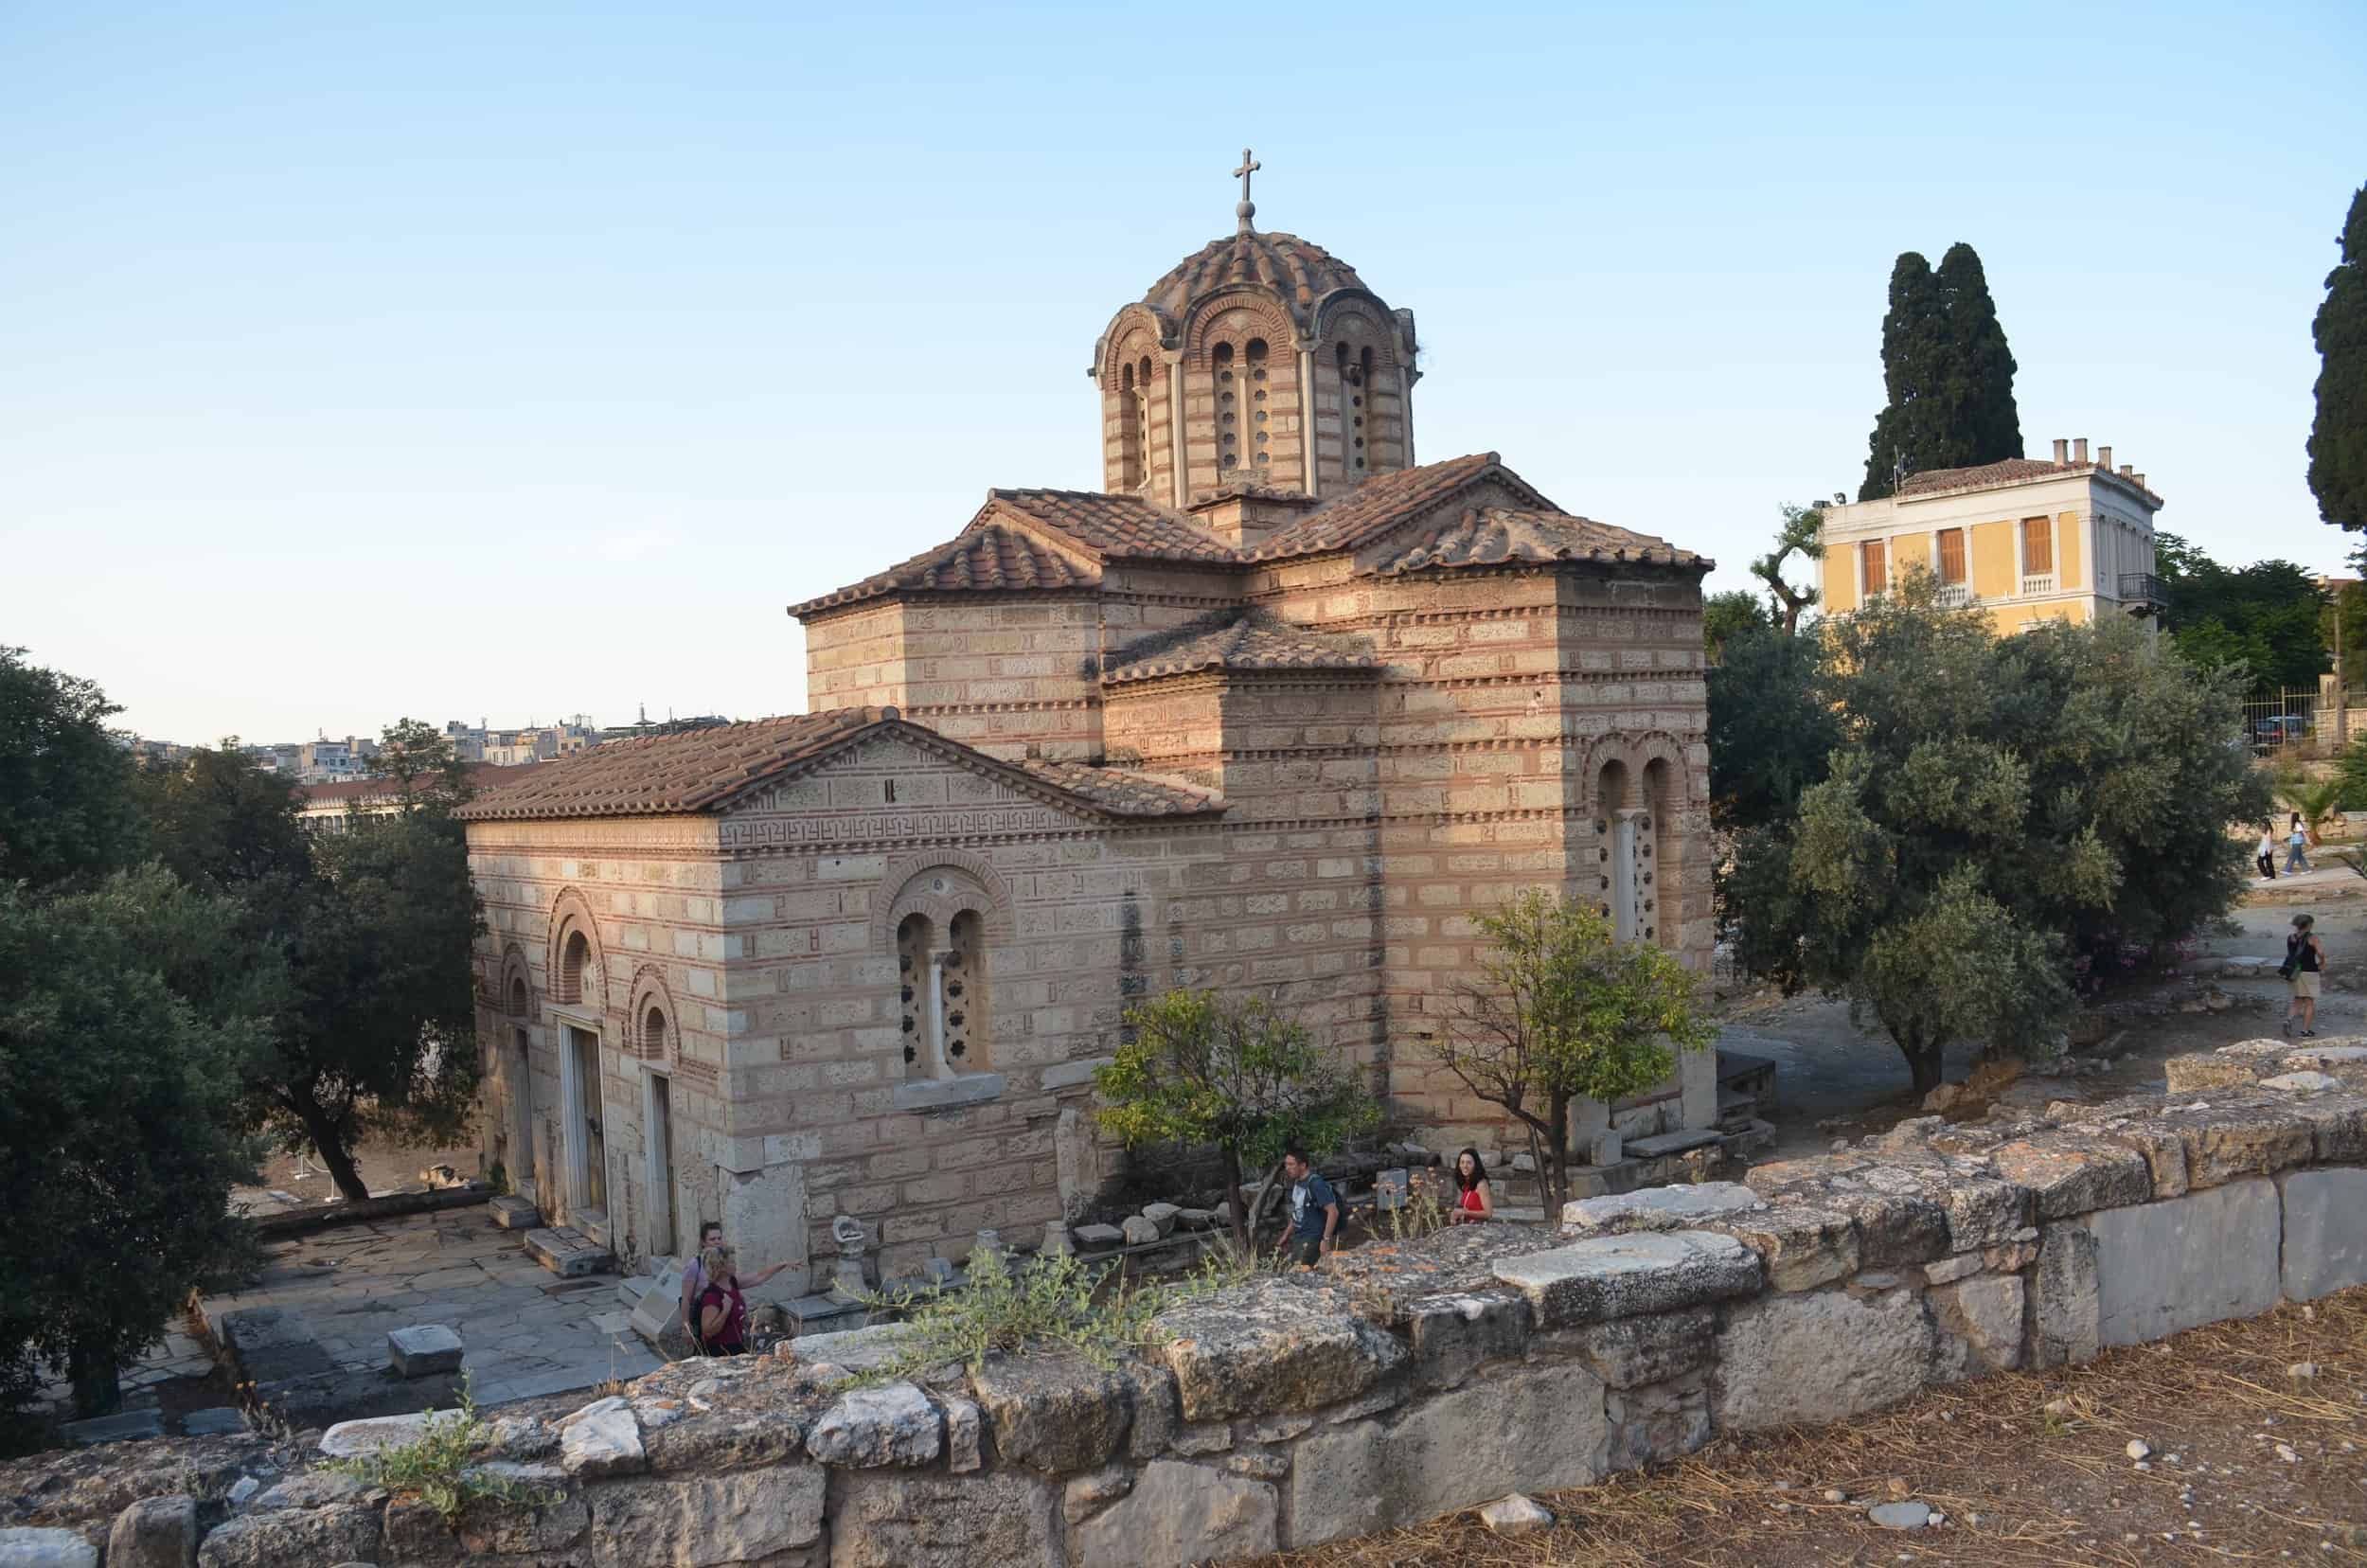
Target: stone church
{"points": [[1279, 709]]}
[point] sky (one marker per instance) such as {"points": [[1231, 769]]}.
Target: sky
{"points": [[513, 361]]}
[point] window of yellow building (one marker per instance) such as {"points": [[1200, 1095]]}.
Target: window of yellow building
{"points": [[1952, 555], [2037, 546], [1876, 567]]}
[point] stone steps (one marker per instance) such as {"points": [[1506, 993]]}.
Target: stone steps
{"points": [[567, 1253]]}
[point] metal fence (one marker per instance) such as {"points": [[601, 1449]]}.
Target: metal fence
{"points": [[2301, 722]]}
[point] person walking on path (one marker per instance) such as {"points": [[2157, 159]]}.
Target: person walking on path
{"points": [[2304, 962], [1314, 1211], [2295, 841], [2265, 857]]}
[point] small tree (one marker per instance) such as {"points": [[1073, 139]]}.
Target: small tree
{"points": [[1561, 1011], [419, 761], [1726, 615], [1801, 535], [2315, 799], [1234, 1072]]}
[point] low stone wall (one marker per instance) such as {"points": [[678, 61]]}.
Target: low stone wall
{"points": [[1411, 1380]]}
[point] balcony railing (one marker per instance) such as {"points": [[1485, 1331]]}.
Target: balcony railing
{"points": [[2038, 582], [1954, 595], [2140, 588]]}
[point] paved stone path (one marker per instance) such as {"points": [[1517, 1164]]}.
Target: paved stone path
{"points": [[527, 1332]]}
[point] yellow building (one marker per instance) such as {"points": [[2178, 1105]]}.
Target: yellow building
{"points": [[2026, 539]]}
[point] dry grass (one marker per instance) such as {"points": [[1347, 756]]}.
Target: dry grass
{"points": [[2019, 1486]]}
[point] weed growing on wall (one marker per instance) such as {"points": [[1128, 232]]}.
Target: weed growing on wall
{"points": [[1042, 1305], [443, 1466]]}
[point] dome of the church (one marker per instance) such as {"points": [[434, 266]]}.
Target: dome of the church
{"points": [[1299, 270]]}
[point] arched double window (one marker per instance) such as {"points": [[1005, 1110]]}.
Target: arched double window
{"points": [[945, 1021]]}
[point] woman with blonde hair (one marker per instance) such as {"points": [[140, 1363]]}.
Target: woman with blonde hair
{"points": [[722, 1327]]}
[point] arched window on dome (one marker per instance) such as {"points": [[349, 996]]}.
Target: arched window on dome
{"points": [[1253, 358], [1130, 453], [1142, 415], [1220, 359], [1359, 399]]}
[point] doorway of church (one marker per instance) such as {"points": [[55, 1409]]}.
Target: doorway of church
{"points": [[593, 1192], [661, 1125]]}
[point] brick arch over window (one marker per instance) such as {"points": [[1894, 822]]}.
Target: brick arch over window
{"points": [[904, 874], [945, 919], [514, 995], [578, 976], [656, 1024]]}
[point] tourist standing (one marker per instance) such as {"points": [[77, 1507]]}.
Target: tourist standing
{"points": [[694, 1278], [2265, 857], [722, 1327], [1473, 1201], [2294, 860], [2304, 962], [1314, 1211]]}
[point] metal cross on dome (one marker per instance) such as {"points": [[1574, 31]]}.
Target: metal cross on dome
{"points": [[1248, 208]]}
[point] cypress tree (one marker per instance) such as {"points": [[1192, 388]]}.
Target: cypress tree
{"points": [[1947, 372], [2338, 438], [1987, 426], [1915, 355]]}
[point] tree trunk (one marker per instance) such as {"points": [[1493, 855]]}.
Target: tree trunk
{"points": [[91, 1373], [1237, 1209], [330, 1144], [1554, 1179], [1926, 1064]]}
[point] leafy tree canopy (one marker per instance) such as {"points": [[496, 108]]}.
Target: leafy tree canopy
{"points": [[1999, 817], [2338, 435], [116, 1148], [1726, 615], [1771, 733], [1232, 1073], [420, 760], [66, 808], [2269, 617]]}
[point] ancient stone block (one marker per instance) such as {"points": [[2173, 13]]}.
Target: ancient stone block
{"points": [[1150, 1397], [1654, 1347], [1802, 1246], [706, 1522], [1656, 1422], [2074, 1173], [1823, 1357], [1453, 1335], [1273, 1349], [723, 1440], [2208, 1070], [600, 1442], [888, 1520], [2163, 1267], [565, 1252], [965, 1428], [152, 1533], [513, 1213], [351, 1439], [2067, 1311], [889, 1424], [1618, 1277], [1339, 1484], [346, 1532], [29, 1547], [1893, 1229], [423, 1350], [2326, 1232], [1985, 1313], [1053, 1414], [1657, 1208], [2224, 1144], [1178, 1513], [1528, 1428]]}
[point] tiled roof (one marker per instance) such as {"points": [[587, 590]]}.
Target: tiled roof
{"points": [[1386, 499], [1501, 536], [665, 774], [1123, 793], [2010, 471], [1299, 270], [983, 558], [1117, 526], [1244, 641]]}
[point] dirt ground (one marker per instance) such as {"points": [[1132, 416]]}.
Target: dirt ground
{"points": [[1834, 1080], [2249, 1462]]}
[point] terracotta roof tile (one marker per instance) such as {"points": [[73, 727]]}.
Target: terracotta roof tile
{"points": [[1386, 499], [1299, 270], [1123, 793], [1501, 536], [2007, 471], [668, 775], [986, 558], [1242, 641], [1118, 526]]}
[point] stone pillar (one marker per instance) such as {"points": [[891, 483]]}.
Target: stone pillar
{"points": [[1175, 431], [1306, 415], [1627, 897]]}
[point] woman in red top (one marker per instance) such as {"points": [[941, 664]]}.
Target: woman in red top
{"points": [[1473, 1203], [722, 1309]]}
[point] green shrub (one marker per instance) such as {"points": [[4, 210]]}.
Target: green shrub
{"points": [[443, 1466]]}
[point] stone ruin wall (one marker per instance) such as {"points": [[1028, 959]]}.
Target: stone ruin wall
{"points": [[1298, 1410]]}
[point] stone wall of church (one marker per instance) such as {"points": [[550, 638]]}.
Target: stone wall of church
{"points": [[646, 894], [855, 658], [1072, 913], [1001, 673]]}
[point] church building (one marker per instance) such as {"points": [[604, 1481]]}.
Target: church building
{"points": [[1279, 709]]}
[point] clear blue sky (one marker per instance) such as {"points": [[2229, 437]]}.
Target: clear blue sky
{"points": [[518, 359]]}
